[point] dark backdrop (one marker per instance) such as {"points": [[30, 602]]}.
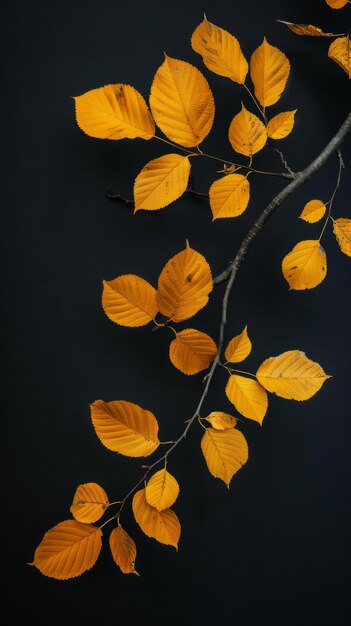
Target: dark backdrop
{"points": [[275, 548]]}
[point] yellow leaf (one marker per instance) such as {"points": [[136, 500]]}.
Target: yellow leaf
{"points": [[163, 526], [342, 231], [229, 196], [184, 285], [225, 452], [90, 502], [291, 375], [337, 4], [161, 182], [221, 421], [182, 103], [238, 348], [307, 29], [220, 51], [281, 125], [125, 427], [123, 550], [68, 549], [269, 69], [162, 490], [114, 112], [340, 52], [248, 397], [305, 266], [313, 211], [192, 351], [129, 300], [247, 133]]}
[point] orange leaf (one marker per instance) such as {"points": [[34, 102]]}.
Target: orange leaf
{"points": [[342, 232], [340, 52], [238, 348], [225, 452], [163, 526], [247, 133], [313, 211], [161, 182], [90, 502], [221, 421], [192, 351], [248, 397], [123, 550], [337, 4], [129, 300], [305, 266], [269, 69], [162, 490], [307, 29], [229, 196], [281, 125]]}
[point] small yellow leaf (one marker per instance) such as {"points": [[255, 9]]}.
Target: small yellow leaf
{"points": [[182, 102], [313, 211], [281, 125], [269, 69], [163, 526], [225, 452], [221, 421], [129, 300], [220, 51], [161, 182], [229, 196], [248, 397], [90, 502], [114, 112], [291, 375], [123, 550], [342, 231], [340, 52], [184, 285], [337, 4], [247, 134], [238, 348], [162, 490], [192, 351], [125, 427], [307, 29], [68, 549], [305, 266]]}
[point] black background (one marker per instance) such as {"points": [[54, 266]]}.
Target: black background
{"points": [[275, 548]]}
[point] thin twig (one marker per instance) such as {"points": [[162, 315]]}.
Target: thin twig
{"points": [[282, 158], [340, 169], [111, 195]]}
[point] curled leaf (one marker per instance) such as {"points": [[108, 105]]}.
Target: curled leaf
{"points": [[229, 196], [247, 134], [305, 266], [90, 502], [225, 452], [221, 421], [307, 29], [340, 52], [192, 351], [129, 300]]}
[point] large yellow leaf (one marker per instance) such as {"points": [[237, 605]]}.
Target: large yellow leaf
{"points": [[337, 4], [225, 452], [162, 490], [291, 375], [90, 502], [114, 112], [68, 549], [281, 125], [184, 285], [192, 351], [307, 29], [247, 133], [229, 196], [220, 51], [161, 182], [248, 397], [123, 550], [342, 231], [125, 427], [163, 526], [269, 69], [182, 103], [238, 348], [340, 52], [313, 211], [129, 300], [221, 421], [306, 265]]}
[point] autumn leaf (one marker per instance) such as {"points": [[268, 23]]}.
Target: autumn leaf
{"points": [[313, 211], [305, 266], [342, 232], [184, 285], [114, 112], [269, 70], [123, 550], [307, 29], [281, 125], [90, 502], [221, 421], [340, 52], [337, 4], [291, 375], [229, 196], [182, 103], [248, 397], [163, 526], [68, 549], [125, 427], [162, 490], [220, 51], [225, 452], [129, 300], [247, 134], [161, 182], [192, 351], [238, 348]]}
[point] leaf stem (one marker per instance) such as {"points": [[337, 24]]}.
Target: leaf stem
{"points": [[330, 202]]}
